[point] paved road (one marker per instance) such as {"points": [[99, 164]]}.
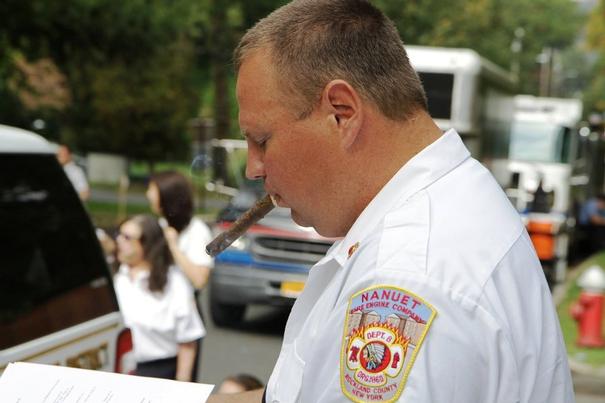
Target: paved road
{"points": [[589, 389], [254, 347], [589, 399]]}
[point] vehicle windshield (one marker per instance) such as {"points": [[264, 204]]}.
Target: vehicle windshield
{"points": [[539, 142], [53, 273]]}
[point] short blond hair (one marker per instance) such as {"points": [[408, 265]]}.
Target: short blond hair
{"points": [[312, 42]]}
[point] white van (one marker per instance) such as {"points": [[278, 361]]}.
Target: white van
{"points": [[57, 303]]}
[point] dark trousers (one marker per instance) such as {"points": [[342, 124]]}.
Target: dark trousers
{"points": [[591, 239], [163, 368], [166, 368], [198, 352]]}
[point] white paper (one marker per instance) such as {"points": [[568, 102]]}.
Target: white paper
{"points": [[36, 383]]}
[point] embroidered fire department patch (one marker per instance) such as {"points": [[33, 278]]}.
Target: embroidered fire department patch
{"points": [[384, 329]]}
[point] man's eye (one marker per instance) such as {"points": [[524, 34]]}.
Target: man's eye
{"points": [[262, 142]]}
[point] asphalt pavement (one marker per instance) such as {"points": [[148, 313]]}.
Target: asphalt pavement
{"points": [[589, 388], [252, 348]]}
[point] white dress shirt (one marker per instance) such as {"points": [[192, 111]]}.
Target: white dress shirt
{"points": [[76, 176], [442, 256], [158, 321]]}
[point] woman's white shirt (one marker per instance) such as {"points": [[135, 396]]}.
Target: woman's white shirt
{"points": [[193, 240], [159, 321]]}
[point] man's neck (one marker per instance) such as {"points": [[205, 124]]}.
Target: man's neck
{"points": [[386, 147]]}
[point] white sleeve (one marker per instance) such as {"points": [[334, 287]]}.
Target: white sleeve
{"points": [[193, 241], [77, 178], [535, 332], [189, 326]]}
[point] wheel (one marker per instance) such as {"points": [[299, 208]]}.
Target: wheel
{"points": [[226, 315]]}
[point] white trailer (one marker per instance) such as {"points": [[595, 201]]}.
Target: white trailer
{"points": [[543, 144], [466, 92], [543, 151]]}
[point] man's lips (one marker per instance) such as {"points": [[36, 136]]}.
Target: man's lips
{"points": [[277, 200]]}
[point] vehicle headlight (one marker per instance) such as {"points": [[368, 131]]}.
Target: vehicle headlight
{"points": [[241, 244]]}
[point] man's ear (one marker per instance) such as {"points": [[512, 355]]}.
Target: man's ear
{"points": [[344, 107]]}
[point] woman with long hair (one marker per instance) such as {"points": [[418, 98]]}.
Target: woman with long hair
{"points": [[157, 302], [171, 197]]}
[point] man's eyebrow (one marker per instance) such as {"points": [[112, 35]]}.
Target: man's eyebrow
{"points": [[253, 136]]}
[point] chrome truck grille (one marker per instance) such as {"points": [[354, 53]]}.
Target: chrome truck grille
{"points": [[289, 250]]}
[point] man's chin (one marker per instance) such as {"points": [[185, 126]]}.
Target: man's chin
{"points": [[307, 223], [299, 220]]}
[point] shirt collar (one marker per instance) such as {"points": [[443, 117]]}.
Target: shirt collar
{"points": [[139, 277], [430, 164]]}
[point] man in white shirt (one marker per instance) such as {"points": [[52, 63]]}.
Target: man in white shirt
{"points": [[435, 293], [74, 173]]}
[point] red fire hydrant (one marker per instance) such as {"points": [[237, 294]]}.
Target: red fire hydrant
{"points": [[588, 310]]}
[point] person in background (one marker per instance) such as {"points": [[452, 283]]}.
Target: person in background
{"points": [[109, 247], [592, 222], [593, 211], [74, 172], [239, 383], [170, 196], [157, 302], [543, 200]]}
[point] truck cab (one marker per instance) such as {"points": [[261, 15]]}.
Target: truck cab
{"points": [[543, 173]]}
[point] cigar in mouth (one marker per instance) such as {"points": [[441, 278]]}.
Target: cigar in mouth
{"points": [[226, 238]]}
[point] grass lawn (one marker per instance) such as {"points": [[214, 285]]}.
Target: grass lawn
{"points": [[107, 215], [593, 357]]}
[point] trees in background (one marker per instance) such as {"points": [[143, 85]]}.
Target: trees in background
{"points": [[594, 95], [129, 74], [507, 32], [129, 68]]}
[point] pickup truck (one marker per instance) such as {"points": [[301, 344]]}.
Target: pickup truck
{"points": [[268, 265]]}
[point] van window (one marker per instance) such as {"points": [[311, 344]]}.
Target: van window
{"points": [[540, 142], [52, 271], [439, 88]]}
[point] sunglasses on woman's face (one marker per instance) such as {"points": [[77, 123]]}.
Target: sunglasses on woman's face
{"points": [[128, 237]]}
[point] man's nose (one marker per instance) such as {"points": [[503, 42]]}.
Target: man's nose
{"points": [[255, 167]]}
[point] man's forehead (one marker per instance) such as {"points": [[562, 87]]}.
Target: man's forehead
{"points": [[258, 93], [255, 72], [259, 59]]}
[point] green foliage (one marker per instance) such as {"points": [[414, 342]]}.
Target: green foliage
{"points": [[109, 215], [595, 95], [596, 28], [145, 105], [488, 27], [129, 66], [139, 69]]}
